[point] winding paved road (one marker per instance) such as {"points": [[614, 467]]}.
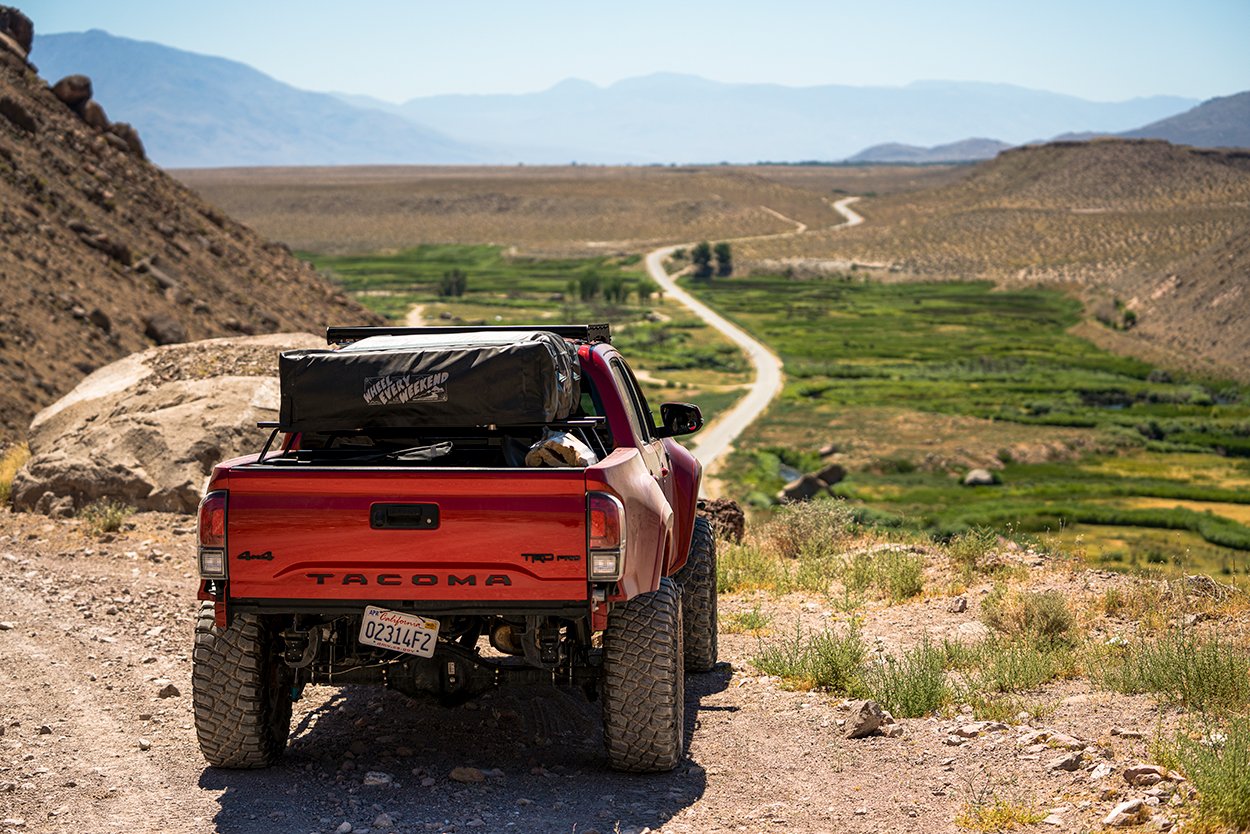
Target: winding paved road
{"points": [[714, 441]]}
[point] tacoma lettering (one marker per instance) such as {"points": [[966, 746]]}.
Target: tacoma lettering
{"points": [[421, 580]]}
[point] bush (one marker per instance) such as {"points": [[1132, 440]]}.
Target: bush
{"points": [[105, 515], [1218, 764], [747, 567], [15, 458], [749, 622], [827, 659], [1036, 615], [974, 552], [810, 528], [1197, 672], [912, 686]]}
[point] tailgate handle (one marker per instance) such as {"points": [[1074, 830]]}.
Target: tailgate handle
{"points": [[403, 516]]}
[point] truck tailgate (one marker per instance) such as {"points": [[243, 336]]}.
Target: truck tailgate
{"points": [[407, 534]]}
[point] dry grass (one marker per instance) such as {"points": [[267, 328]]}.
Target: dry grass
{"points": [[14, 458], [542, 210]]}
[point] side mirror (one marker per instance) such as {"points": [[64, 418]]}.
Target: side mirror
{"points": [[679, 419]]}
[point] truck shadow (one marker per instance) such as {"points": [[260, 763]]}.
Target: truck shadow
{"points": [[363, 756]]}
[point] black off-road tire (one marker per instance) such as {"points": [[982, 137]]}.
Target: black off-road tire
{"points": [[697, 579], [644, 690], [241, 692]]}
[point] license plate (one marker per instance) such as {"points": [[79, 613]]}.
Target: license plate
{"points": [[401, 632]]}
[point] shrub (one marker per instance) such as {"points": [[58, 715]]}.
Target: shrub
{"points": [[901, 575], [911, 686], [105, 515], [749, 622], [974, 552], [15, 458], [827, 659], [810, 528], [1218, 764], [1036, 615], [1198, 672], [746, 566]]}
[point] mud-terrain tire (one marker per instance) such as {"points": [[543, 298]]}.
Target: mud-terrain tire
{"points": [[697, 579], [644, 691], [240, 689]]}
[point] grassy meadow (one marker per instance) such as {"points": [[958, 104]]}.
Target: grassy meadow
{"points": [[676, 356], [913, 384]]}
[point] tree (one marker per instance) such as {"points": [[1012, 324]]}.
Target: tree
{"points": [[724, 260], [453, 283], [646, 288], [701, 258]]}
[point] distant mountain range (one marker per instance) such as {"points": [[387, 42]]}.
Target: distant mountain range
{"points": [[968, 150], [1218, 123], [200, 111]]}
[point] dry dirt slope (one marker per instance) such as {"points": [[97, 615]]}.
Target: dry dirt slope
{"points": [[100, 246]]}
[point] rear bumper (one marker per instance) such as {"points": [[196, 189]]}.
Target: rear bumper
{"points": [[570, 609]]}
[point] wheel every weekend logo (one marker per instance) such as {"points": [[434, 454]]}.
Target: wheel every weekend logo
{"points": [[396, 389]]}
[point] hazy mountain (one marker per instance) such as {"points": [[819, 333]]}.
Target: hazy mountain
{"points": [[1216, 123], [199, 111], [683, 118], [967, 150]]}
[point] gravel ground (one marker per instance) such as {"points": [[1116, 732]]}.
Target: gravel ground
{"points": [[95, 739]]}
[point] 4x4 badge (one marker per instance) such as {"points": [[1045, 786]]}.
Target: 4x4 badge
{"points": [[248, 556]]}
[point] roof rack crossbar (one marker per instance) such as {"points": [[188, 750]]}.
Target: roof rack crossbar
{"points": [[583, 332]]}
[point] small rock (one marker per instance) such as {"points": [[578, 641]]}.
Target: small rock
{"points": [[1102, 771], [73, 90], [383, 820], [1132, 812], [378, 778], [345, 827], [1123, 733], [164, 330], [144, 744], [169, 691], [980, 477], [865, 718], [467, 775], [958, 605], [18, 115], [7, 625], [1065, 742], [892, 731], [1161, 822], [1053, 819], [1145, 775], [1068, 761], [44, 730]]}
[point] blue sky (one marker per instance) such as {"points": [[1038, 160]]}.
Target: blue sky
{"points": [[1098, 49]]}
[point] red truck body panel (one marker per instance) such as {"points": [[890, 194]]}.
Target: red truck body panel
{"points": [[303, 534], [496, 530]]}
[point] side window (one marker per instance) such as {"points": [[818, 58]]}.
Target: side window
{"points": [[641, 416]]}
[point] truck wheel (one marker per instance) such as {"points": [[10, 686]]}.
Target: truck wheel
{"points": [[697, 579], [241, 693], [644, 690]]}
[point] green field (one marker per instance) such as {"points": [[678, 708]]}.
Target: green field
{"points": [[914, 383], [680, 358]]}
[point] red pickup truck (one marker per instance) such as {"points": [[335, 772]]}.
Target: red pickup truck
{"points": [[440, 553]]}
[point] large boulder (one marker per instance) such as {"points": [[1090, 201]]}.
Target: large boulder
{"points": [[16, 29], [73, 90], [726, 519], [147, 429]]}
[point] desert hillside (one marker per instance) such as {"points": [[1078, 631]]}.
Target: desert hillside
{"points": [[1135, 225], [104, 254]]}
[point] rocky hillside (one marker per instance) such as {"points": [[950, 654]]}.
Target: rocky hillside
{"points": [[104, 254], [1217, 123]]}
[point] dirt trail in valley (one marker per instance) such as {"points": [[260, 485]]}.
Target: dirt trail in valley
{"points": [[713, 442]]}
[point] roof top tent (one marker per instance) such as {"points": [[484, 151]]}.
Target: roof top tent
{"points": [[410, 377]]}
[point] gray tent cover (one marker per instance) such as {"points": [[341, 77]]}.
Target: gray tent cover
{"points": [[453, 380]]}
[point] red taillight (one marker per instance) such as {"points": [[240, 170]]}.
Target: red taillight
{"points": [[605, 516], [605, 536], [212, 525]]}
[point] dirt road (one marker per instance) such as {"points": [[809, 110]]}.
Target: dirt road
{"points": [[92, 634], [714, 441]]}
